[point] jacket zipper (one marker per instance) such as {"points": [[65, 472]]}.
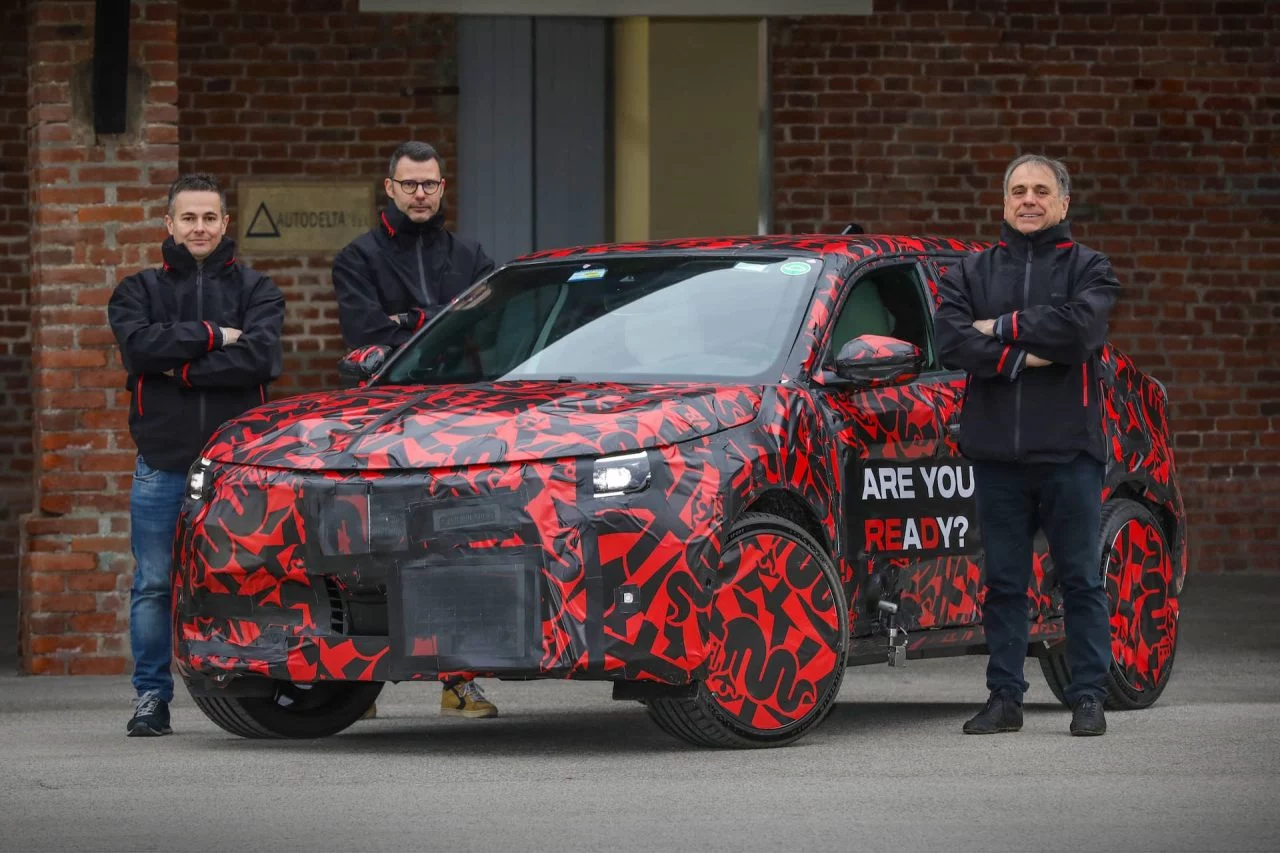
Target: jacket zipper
{"points": [[422, 276], [1017, 391], [200, 316]]}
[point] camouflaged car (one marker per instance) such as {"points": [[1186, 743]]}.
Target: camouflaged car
{"points": [[712, 472]]}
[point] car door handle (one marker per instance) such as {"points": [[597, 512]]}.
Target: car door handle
{"points": [[953, 429]]}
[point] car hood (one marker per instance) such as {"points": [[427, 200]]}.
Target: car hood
{"points": [[399, 427]]}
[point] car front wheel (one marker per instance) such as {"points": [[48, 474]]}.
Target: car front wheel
{"points": [[778, 637], [292, 710]]}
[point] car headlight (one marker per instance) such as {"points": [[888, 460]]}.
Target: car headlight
{"points": [[620, 475], [198, 479]]}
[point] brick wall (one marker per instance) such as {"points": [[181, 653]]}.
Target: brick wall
{"points": [[93, 198], [15, 313], [308, 89], [1169, 118]]}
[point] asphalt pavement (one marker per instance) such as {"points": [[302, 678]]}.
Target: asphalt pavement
{"points": [[564, 768]]}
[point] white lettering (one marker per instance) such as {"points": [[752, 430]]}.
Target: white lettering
{"points": [[930, 474], [911, 536], [889, 483], [945, 525], [869, 489]]}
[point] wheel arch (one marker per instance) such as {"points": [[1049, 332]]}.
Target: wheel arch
{"points": [[795, 509]]}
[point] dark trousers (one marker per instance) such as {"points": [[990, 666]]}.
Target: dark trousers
{"points": [[1015, 499]]}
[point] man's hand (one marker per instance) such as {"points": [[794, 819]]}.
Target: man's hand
{"points": [[230, 336], [987, 327], [1037, 361]]}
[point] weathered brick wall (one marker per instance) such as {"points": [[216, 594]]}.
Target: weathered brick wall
{"points": [[1168, 115], [15, 312], [304, 89], [93, 198]]}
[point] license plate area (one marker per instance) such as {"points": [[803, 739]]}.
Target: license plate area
{"points": [[478, 614]]}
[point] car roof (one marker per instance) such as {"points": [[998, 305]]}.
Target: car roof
{"points": [[858, 246]]}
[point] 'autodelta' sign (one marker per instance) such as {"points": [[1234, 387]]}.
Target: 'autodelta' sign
{"points": [[285, 217]]}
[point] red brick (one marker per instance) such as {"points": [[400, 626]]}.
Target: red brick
{"points": [[50, 359], [62, 603], [97, 665], [62, 562], [95, 623], [75, 643], [92, 582], [45, 665]]}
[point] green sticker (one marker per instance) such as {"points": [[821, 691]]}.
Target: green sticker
{"points": [[794, 268]]}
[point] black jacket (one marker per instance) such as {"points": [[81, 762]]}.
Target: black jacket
{"points": [[404, 269], [1050, 297], [185, 383]]}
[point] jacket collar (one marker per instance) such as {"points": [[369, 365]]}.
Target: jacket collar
{"points": [[396, 225], [1022, 245], [178, 259]]}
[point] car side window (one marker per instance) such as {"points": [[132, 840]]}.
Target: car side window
{"points": [[888, 300]]}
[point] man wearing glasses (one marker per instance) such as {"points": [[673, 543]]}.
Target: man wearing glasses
{"points": [[393, 279]]}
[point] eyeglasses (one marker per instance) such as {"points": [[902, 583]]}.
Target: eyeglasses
{"points": [[411, 187]]}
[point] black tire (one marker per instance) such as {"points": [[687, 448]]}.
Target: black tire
{"points": [[1143, 644], [294, 710], [714, 716]]}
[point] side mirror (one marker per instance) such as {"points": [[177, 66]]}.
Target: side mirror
{"points": [[358, 366], [872, 361]]}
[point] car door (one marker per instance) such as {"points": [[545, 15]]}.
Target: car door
{"points": [[908, 499]]}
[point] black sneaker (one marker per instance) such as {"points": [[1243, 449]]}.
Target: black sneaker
{"points": [[1000, 714], [150, 717], [1087, 720]]}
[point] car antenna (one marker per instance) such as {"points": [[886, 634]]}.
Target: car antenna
{"points": [[853, 228]]}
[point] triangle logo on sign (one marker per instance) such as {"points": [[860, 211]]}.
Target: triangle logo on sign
{"points": [[262, 225]]}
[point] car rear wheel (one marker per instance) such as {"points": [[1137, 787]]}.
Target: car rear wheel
{"points": [[778, 636], [1137, 568], [292, 710]]}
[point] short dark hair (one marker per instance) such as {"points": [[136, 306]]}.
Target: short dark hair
{"points": [[1059, 171], [418, 152], [196, 182]]}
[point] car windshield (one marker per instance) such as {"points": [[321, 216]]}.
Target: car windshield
{"points": [[630, 319]]}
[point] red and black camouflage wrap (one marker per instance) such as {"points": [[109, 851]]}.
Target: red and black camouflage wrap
{"points": [[1136, 411], [283, 569]]}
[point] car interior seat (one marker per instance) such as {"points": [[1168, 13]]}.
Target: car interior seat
{"points": [[864, 313]]}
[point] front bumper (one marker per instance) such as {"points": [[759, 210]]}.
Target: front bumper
{"points": [[515, 571]]}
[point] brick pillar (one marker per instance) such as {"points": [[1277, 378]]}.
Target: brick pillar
{"points": [[95, 203]]}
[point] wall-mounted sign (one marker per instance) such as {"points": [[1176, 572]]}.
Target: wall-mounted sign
{"points": [[287, 217]]}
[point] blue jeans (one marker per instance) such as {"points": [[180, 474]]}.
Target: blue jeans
{"points": [[154, 503], [1014, 501]]}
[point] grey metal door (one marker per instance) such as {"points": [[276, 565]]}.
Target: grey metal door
{"points": [[533, 124]]}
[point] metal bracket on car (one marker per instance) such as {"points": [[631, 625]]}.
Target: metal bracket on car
{"points": [[897, 636]]}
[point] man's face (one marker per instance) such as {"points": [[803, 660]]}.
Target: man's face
{"points": [[421, 204], [197, 221], [1033, 200]]}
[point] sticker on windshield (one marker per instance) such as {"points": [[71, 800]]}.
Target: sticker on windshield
{"points": [[794, 268], [750, 267], [588, 275]]}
